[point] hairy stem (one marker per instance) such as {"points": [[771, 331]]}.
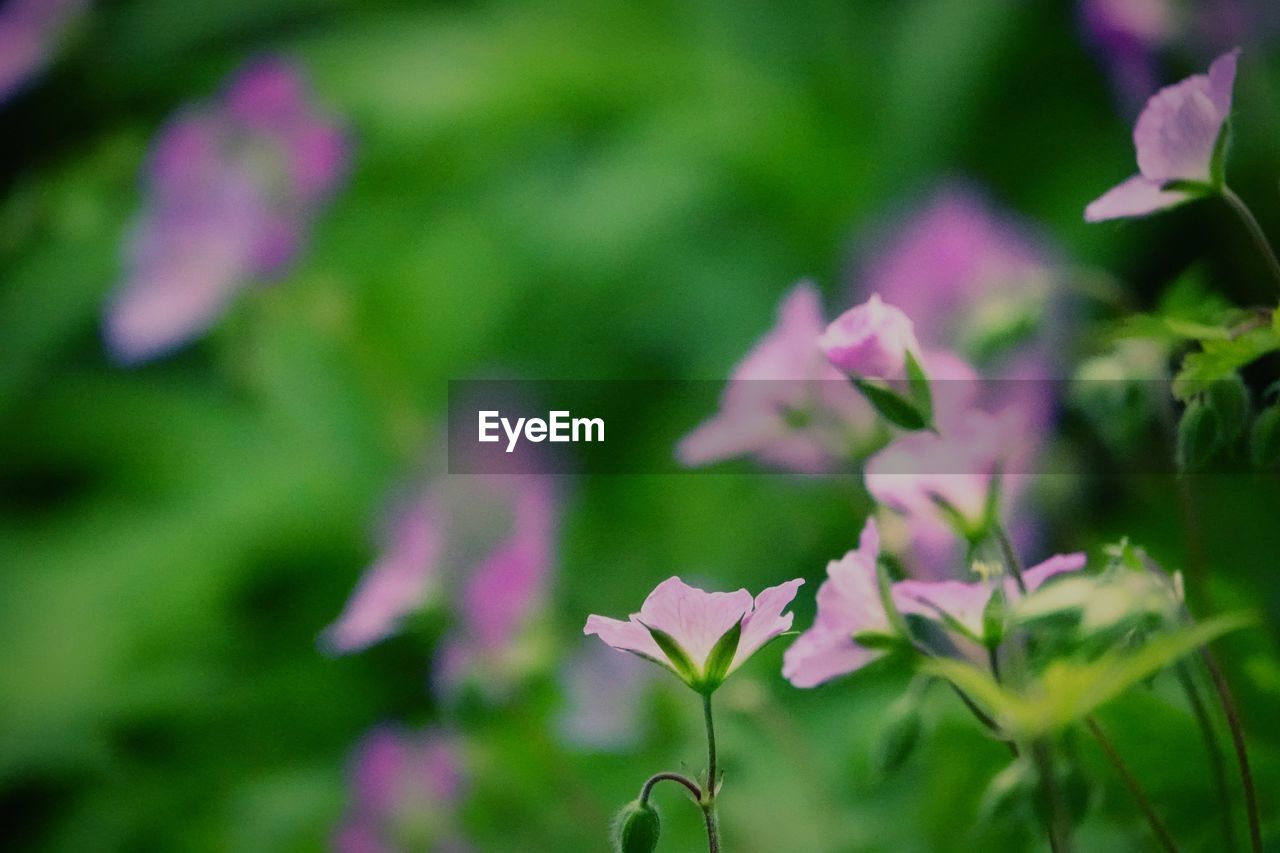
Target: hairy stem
{"points": [[1232, 714], [1217, 761], [669, 777], [1255, 230], [1131, 782], [708, 800]]}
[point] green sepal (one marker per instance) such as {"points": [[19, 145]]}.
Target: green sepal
{"points": [[993, 618], [884, 584], [918, 383], [1218, 163], [877, 640], [679, 658], [895, 408], [721, 658]]}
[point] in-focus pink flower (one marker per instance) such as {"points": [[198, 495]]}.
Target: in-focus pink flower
{"points": [[1177, 140], [966, 603], [871, 340], [405, 791], [679, 626], [232, 187], [849, 605], [784, 404]]}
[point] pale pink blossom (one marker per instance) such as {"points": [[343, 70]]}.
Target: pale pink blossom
{"points": [[871, 340], [784, 404], [849, 604], [956, 467], [231, 188], [1177, 139], [966, 603], [604, 699], [696, 621]]}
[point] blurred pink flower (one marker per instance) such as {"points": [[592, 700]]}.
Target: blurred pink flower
{"points": [[232, 187], [604, 697], [956, 466], [485, 544], [784, 403], [1176, 138], [870, 340], [695, 621], [966, 603], [405, 792], [1127, 35], [30, 31], [849, 604]]}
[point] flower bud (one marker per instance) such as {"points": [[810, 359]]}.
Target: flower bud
{"points": [[870, 341], [636, 828]]}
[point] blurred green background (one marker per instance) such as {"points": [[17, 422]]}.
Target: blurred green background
{"points": [[570, 189]]}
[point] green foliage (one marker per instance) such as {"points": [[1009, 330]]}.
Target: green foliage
{"points": [[1219, 359], [1264, 439], [1068, 690]]}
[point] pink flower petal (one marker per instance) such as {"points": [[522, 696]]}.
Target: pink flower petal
{"points": [[1135, 197], [766, 620], [1036, 576], [693, 618], [1178, 130], [870, 340], [629, 636]]}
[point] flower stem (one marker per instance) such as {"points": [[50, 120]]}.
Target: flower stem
{"points": [[1131, 782], [1217, 763], [1237, 741], [1255, 230], [708, 799], [1056, 823], [1010, 556], [669, 777]]}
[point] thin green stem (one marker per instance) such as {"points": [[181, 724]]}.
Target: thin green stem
{"points": [[1217, 761], [1010, 556], [708, 800], [670, 777], [1131, 782], [1056, 822], [1232, 714], [1255, 230]]}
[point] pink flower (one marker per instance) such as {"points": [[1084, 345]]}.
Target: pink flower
{"points": [[679, 626], [784, 403], [1127, 34], [405, 791], [481, 546], [849, 605], [871, 340], [966, 603], [1177, 140], [232, 187], [604, 699], [950, 474]]}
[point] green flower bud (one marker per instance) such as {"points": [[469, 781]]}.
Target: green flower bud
{"points": [[1198, 435], [1230, 400], [636, 828], [1264, 440]]}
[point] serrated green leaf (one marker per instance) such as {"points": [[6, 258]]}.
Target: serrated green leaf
{"points": [[1069, 690], [679, 658], [721, 657], [1220, 359], [892, 406]]}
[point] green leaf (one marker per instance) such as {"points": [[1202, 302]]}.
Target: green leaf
{"points": [[1230, 400], [1220, 359], [678, 657], [721, 658], [1069, 690], [893, 406]]}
